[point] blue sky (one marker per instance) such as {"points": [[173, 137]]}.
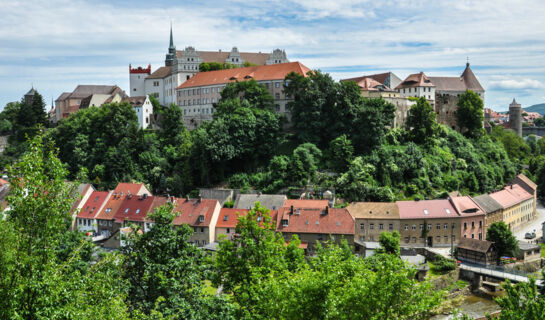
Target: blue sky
{"points": [[57, 44]]}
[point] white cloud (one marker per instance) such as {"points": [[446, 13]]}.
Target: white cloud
{"points": [[516, 84]]}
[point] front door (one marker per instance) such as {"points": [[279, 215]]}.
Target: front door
{"points": [[430, 241]]}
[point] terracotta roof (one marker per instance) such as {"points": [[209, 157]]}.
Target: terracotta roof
{"points": [[310, 220], [160, 73], [228, 217], [426, 209], [474, 244], [527, 181], [449, 83], [157, 202], [379, 77], [118, 195], [134, 208], [135, 101], [466, 206], [3, 182], [488, 203], [416, 80], [258, 73], [301, 203], [511, 195], [191, 209], [374, 210], [370, 84], [93, 205]]}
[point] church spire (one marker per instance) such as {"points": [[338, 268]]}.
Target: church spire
{"points": [[171, 55], [171, 38]]}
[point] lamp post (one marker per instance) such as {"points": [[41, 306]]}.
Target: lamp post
{"points": [[452, 240]]}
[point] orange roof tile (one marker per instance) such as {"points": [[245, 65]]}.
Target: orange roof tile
{"points": [[312, 220], [120, 192], [258, 73], [134, 208], [511, 195], [191, 209], [416, 80], [93, 205], [228, 217], [302, 203]]}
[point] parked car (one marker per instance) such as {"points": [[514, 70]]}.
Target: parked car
{"points": [[530, 235]]}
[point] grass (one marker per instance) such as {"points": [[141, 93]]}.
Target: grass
{"points": [[208, 288], [542, 250]]}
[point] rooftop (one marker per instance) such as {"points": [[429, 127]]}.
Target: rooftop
{"points": [[466, 206], [416, 80], [374, 210], [134, 208], [258, 73], [228, 217], [311, 220], [474, 244], [93, 205], [190, 211], [511, 195], [488, 203], [426, 209], [306, 203], [269, 201]]}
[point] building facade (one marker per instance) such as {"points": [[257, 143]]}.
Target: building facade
{"points": [[373, 218]]}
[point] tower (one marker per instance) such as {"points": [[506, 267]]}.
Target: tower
{"points": [[171, 55], [30, 95], [515, 117], [136, 80]]}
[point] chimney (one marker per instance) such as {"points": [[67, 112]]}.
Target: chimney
{"points": [[187, 198], [200, 199], [291, 209]]}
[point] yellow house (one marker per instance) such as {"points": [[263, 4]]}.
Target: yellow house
{"points": [[517, 203]]}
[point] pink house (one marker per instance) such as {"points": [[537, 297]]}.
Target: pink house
{"points": [[473, 217]]}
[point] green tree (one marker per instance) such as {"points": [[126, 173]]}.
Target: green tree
{"points": [[166, 273], [44, 276], [251, 91], [470, 114], [516, 148], [340, 153], [389, 241], [539, 122], [304, 163], [421, 122], [505, 242], [522, 301]]}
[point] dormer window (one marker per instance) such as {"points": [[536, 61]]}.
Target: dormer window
{"points": [[225, 218], [426, 212], [127, 210], [284, 222], [137, 211], [201, 218]]}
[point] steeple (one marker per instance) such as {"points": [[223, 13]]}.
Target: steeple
{"points": [[171, 55]]}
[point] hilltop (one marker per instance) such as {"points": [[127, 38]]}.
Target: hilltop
{"points": [[539, 108]]}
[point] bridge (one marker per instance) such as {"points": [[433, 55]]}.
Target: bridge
{"points": [[496, 272], [538, 131]]}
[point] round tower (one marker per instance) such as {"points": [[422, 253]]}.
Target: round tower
{"points": [[515, 117]]}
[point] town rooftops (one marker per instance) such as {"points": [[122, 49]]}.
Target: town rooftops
{"points": [[369, 84], [160, 73], [466, 206], [511, 195], [474, 245], [83, 91], [118, 195], [379, 77], [306, 203], [134, 208], [269, 201], [524, 179], [228, 217], [426, 209], [195, 212], [94, 204], [488, 203], [311, 220], [374, 210], [63, 96], [258, 73], [416, 80], [135, 101]]}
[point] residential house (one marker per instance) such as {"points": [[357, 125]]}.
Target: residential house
{"points": [[313, 224], [528, 251], [201, 215], [269, 201], [83, 192], [133, 210], [433, 223], [143, 108], [417, 85], [85, 96], [306, 203], [473, 217], [373, 218], [106, 217], [86, 218], [198, 95], [493, 210], [476, 251], [529, 186], [517, 204], [227, 222]]}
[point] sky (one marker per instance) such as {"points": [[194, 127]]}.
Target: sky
{"points": [[55, 45]]}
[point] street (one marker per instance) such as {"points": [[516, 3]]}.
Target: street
{"points": [[533, 225]]}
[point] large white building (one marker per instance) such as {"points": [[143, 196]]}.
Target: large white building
{"points": [[181, 65]]}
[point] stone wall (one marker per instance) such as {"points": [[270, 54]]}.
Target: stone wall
{"points": [[445, 108]]}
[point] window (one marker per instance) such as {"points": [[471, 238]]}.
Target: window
{"points": [[201, 218], [406, 227], [362, 238], [372, 226], [381, 226], [438, 226], [446, 225], [127, 210], [202, 231], [228, 230], [137, 211], [472, 236], [465, 225], [453, 225], [391, 226], [429, 226], [414, 226], [446, 239], [277, 84], [362, 226], [480, 236], [421, 227], [414, 239], [277, 95], [407, 239]]}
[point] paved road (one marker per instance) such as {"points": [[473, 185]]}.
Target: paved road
{"points": [[533, 225]]}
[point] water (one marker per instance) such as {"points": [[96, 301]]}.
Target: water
{"points": [[474, 306]]}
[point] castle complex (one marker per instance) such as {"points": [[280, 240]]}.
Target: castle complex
{"points": [[181, 65]]}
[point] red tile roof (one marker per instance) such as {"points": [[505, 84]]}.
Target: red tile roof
{"points": [[311, 220], [511, 195], [301, 203], [191, 209], [426, 209], [466, 206], [228, 217], [416, 80], [157, 202], [258, 73], [133, 208], [3, 182], [120, 192], [380, 77], [93, 205]]}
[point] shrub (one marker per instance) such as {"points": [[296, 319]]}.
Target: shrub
{"points": [[442, 264]]}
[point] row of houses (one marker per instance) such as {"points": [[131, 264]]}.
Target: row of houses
{"points": [[434, 223]]}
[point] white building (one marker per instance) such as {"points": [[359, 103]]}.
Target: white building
{"points": [[181, 65], [143, 108], [417, 85]]}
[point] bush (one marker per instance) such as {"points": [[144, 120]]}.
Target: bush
{"points": [[442, 264]]}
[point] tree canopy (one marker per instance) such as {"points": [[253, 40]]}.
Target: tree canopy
{"points": [[505, 242], [470, 114]]}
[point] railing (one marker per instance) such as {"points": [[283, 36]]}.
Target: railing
{"points": [[496, 271]]}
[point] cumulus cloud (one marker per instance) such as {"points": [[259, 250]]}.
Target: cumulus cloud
{"points": [[516, 84]]}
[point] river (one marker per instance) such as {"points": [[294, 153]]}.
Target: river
{"points": [[474, 306]]}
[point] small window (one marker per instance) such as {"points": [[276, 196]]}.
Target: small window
{"points": [[406, 227], [137, 211], [372, 226], [381, 226], [362, 226], [429, 226], [127, 210], [201, 218], [228, 231], [277, 84], [390, 226], [421, 227], [446, 226], [226, 217], [414, 226], [438, 226]]}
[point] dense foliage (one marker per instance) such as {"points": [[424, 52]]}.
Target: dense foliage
{"points": [[504, 241]]}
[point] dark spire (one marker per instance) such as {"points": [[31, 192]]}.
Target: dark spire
{"points": [[171, 38]]}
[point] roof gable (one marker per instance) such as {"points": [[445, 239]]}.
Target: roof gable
{"points": [[228, 217], [191, 210], [426, 209], [312, 220], [92, 206]]}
